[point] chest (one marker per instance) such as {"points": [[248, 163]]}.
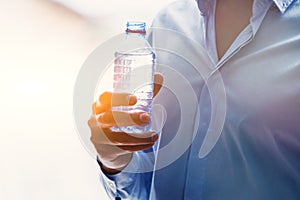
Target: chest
{"points": [[230, 20]]}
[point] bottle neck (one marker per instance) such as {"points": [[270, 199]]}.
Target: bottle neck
{"points": [[136, 29], [136, 35]]}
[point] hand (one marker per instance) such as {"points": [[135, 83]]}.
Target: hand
{"points": [[115, 149]]}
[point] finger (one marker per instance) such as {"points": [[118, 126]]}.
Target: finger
{"points": [[92, 122], [125, 139], [109, 99], [101, 136], [120, 138], [158, 82], [98, 108], [111, 152], [123, 119], [134, 148], [117, 99]]}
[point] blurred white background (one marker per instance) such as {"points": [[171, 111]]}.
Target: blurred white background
{"points": [[42, 46]]}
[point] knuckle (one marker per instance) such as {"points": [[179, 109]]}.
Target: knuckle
{"points": [[93, 139], [99, 119], [89, 122], [105, 96], [92, 122], [94, 107]]}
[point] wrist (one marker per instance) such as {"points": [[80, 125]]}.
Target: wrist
{"points": [[112, 171]]}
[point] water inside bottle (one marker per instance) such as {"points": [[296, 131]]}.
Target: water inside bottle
{"points": [[133, 73]]}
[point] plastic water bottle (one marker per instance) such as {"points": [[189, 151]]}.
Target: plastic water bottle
{"points": [[134, 66]]}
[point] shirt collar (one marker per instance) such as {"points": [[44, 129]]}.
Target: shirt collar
{"points": [[282, 5]]}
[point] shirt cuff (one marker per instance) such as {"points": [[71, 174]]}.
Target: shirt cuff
{"points": [[124, 177]]}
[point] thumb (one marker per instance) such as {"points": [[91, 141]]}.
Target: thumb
{"points": [[158, 81]]}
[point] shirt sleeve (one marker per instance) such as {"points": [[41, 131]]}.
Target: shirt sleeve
{"points": [[133, 182]]}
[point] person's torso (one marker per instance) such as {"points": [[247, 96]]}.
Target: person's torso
{"points": [[257, 153]]}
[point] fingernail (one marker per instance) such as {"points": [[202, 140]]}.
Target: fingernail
{"points": [[131, 99], [144, 117]]}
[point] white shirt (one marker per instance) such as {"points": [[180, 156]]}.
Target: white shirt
{"points": [[256, 155]]}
